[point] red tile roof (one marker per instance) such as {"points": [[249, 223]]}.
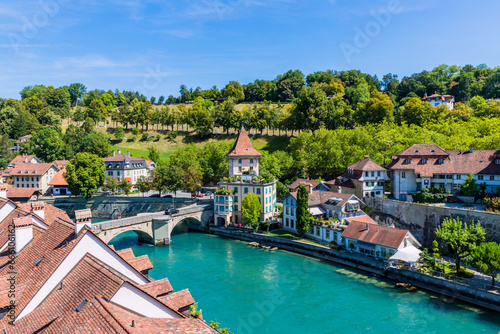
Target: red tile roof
{"points": [[58, 179], [158, 288], [22, 193], [295, 185], [21, 159], [141, 263], [428, 160], [178, 300], [27, 169], [320, 197], [243, 147], [366, 164], [376, 234], [20, 140], [362, 219], [437, 96]]}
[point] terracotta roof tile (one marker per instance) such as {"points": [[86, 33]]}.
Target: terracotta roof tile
{"points": [[376, 234], [295, 185], [22, 193], [58, 179], [141, 263], [127, 254], [320, 197], [121, 157], [243, 147], [27, 169], [366, 164], [178, 300], [158, 288], [21, 159]]}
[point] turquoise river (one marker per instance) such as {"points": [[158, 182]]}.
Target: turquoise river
{"points": [[253, 290]]}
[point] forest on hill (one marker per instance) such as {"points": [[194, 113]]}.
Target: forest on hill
{"points": [[337, 116]]}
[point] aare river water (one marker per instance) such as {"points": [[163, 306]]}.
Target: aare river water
{"points": [[253, 290]]}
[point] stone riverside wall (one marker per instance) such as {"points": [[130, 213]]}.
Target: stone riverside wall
{"points": [[422, 220], [437, 285], [111, 207]]}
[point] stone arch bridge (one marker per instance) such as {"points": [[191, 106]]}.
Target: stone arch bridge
{"points": [[156, 228]]}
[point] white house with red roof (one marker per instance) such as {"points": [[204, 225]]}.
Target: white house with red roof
{"points": [[59, 184], [123, 166], [243, 179], [429, 166], [438, 100], [33, 175], [364, 178], [376, 240], [19, 143]]}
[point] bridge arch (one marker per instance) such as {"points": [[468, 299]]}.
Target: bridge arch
{"points": [[143, 235]]}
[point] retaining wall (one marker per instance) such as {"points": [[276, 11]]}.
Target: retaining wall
{"points": [[422, 220]]}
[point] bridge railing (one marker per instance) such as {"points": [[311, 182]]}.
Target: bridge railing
{"points": [[145, 217]]}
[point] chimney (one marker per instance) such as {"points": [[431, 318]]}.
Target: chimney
{"points": [[367, 157], [471, 148], [3, 191], [38, 209], [310, 188], [25, 159], [128, 153], [114, 152], [23, 232], [340, 190], [367, 226], [82, 218], [119, 151]]}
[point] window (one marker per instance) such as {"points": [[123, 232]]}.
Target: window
{"points": [[492, 177], [236, 190], [327, 234], [317, 230], [257, 191], [287, 211], [458, 177], [424, 161], [440, 161], [239, 169], [245, 190], [251, 168], [287, 223], [236, 198], [403, 175], [407, 161], [378, 173], [373, 174], [497, 162], [251, 161], [366, 174], [480, 177], [239, 161]]}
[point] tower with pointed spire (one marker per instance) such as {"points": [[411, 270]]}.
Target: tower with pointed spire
{"points": [[243, 178]]}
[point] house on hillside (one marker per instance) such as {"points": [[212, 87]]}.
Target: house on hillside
{"points": [[311, 185], [60, 164], [243, 179], [438, 100], [123, 166], [364, 178], [150, 164], [429, 166], [33, 175], [23, 159], [19, 143], [59, 184], [376, 240]]}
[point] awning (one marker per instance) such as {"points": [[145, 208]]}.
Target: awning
{"points": [[317, 211], [408, 254], [128, 179]]}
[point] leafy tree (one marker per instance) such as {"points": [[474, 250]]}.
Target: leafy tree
{"points": [[125, 186], [377, 109], [142, 184], [58, 98], [487, 257], [281, 190], [33, 105], [110, 183], [135, 131], [215, 325], [166, 177], [233, 90], [416, 111], [47, 145], [202, 119], [303, 213], [289, 84], [469, 188], [119, 133], [97, 143], [85, 173], [89, 125], [460, 238], [213, 161], [76, 92], [250, 209], [73, 137]]}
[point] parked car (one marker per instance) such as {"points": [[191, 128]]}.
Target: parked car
{"points": [[155, 195], [171, 211], [168, 196], [196, 194]]}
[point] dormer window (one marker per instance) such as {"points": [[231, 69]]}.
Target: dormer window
{"points": [[416, 151], [407, 161], [424, 161], [497, 162], [432, 151], [440, 161]]}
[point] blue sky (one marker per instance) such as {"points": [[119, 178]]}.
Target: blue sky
{"points": [[155, 46]]}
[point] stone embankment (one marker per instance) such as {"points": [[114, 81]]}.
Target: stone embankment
{"points": [[422, 220], [450, 289]]}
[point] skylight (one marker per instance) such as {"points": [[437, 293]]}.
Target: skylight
{"points": [[82, 304], [38, 261]]}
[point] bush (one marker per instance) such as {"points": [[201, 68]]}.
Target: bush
{"points": [[135, 131], [145, 136], [492, 204], [172, 135], [119, 133], [433, 195], [157, 138]]}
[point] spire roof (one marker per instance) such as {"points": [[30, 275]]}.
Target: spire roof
{"points": [[243, 146]]}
